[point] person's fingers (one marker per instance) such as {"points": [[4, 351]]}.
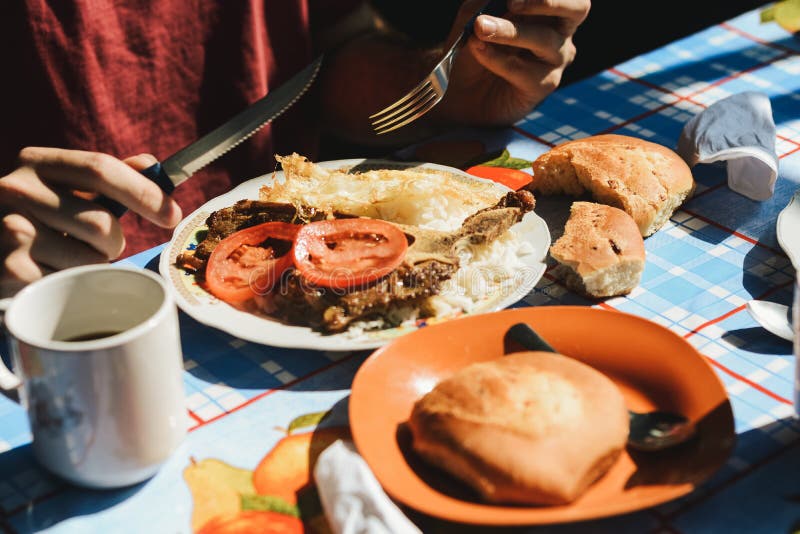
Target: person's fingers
{"points": [[47, 247], [542, 40], [64, 212], [84, 221], [467, 10], [18, 268], [92, 171], [527, 74], [17, 271], [60, 251], [572, 12]]}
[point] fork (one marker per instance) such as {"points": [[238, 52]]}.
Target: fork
{"points": [[422, 98]]}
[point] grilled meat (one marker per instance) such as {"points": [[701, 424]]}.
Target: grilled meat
{"points": [[332, 311], [431, 260]]}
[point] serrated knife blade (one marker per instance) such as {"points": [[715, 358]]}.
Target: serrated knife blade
{"points": [[177, 168]]}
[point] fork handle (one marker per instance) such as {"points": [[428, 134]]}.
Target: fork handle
{"points": [[495, 8]]}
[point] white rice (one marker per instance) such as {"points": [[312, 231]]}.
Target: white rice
{"points": [[487, 273], [421, 197]]}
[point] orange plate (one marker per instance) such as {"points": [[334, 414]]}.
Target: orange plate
{"points": [[654, 368]]}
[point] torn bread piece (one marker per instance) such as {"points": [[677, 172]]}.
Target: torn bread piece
{"points": [[601, 253], [647, 180]]}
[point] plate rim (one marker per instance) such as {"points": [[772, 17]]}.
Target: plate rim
{"points": [[788, 241], [310, 340], [519, 515]]}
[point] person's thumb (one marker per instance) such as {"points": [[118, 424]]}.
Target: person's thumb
{"points": [[141, 161]]}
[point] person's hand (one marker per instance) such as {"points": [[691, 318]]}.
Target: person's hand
{"points": [[50, 223], [511, 64]]}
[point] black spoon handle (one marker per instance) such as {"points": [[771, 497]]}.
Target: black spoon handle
{"points": [[521, 336], [650, 431]]}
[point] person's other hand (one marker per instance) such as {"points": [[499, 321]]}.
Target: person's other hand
{"points": [[511, 64], [50, 223]]}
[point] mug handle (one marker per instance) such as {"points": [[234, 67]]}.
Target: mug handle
{"points": [[8, 380]]}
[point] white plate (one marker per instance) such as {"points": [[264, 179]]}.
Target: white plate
{"points": [[788, 229], [205, 308]]}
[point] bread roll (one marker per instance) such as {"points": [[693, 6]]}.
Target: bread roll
{"points": [[601, 252], [528, 428], [647, 180]]}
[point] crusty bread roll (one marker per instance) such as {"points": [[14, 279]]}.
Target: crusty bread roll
{"points": [[601, 253], [647, 180], [528, 428]]}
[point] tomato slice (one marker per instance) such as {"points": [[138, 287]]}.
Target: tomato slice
{"points": [[348, 253], [511, 178], [241, 266]]}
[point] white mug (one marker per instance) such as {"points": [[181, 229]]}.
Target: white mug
{"points": [[97, 360]]}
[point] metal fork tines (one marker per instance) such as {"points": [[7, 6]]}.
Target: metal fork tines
{"points": [[430, 91], [420, 99]]}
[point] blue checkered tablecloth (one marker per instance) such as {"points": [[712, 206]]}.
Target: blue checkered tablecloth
{"points": [[717, 252]]}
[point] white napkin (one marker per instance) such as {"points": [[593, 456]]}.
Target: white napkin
{"points": [[352, 498], [739, 130]]}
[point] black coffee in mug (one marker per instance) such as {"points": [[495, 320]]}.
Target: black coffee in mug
{"points": [[91, 335]]}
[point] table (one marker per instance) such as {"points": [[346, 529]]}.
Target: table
{"points": [[718, 251]]}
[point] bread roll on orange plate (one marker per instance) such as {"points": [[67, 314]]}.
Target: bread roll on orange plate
{"points": [[601, 253], [528, 428], [647, 180]]}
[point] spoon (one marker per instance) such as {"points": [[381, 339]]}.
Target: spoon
{"points": [[649, 431], [774, 317]]}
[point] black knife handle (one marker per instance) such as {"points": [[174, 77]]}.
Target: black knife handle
{"points": [[156, 174]]}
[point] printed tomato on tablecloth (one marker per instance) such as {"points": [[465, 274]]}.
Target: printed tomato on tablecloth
{"points": [[276, 497]]}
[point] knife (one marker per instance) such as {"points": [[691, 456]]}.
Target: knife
{"points": [[176, 169]]}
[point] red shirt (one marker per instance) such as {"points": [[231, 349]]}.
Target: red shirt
{"points": [[133, 76]]}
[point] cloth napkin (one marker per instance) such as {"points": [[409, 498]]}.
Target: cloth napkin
{"points": [[740, 131], [352, 498]]}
